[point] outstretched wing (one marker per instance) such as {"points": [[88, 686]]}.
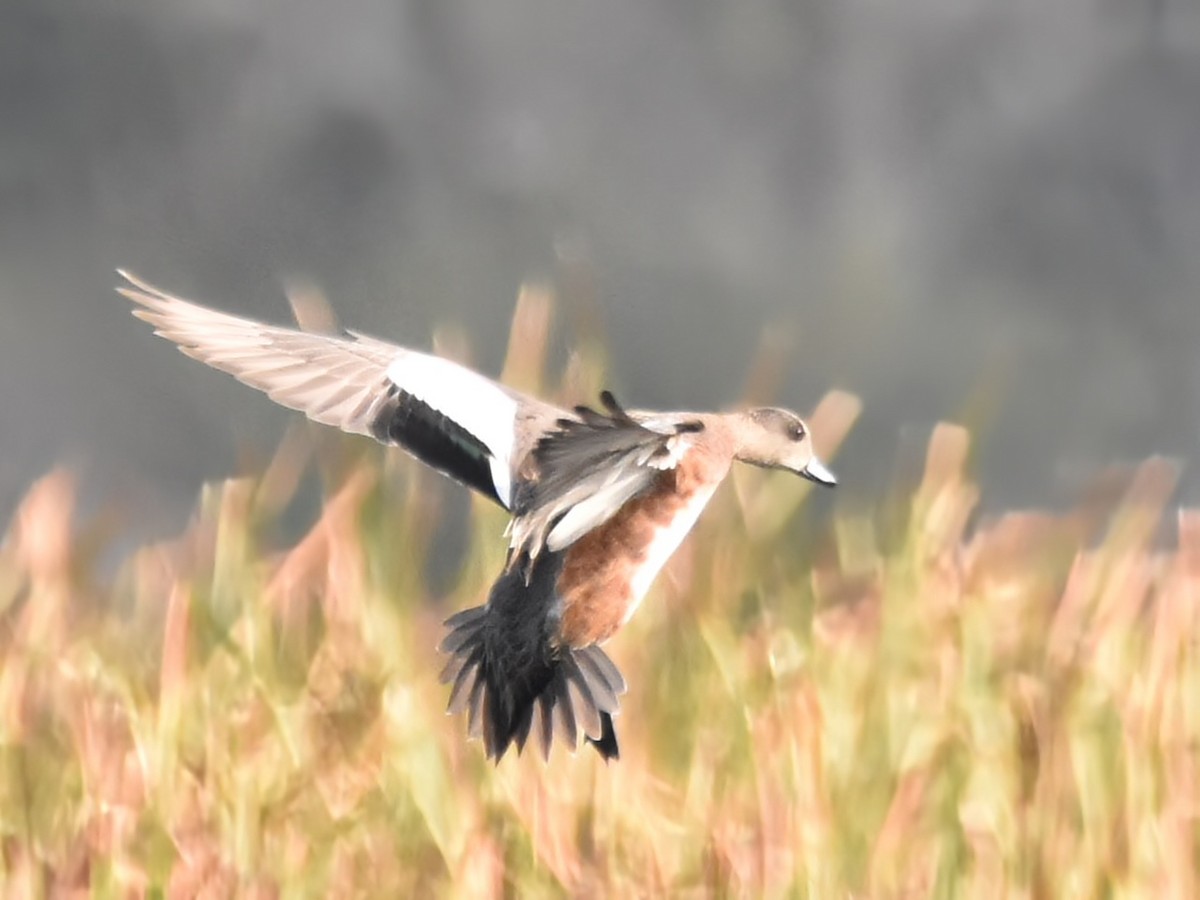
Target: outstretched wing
{"points": [[586, 469], [449, 417]]}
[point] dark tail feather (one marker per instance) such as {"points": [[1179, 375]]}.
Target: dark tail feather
{"points": [[510, 693]]}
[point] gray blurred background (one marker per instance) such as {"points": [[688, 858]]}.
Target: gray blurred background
{"points": [[955, 208]]}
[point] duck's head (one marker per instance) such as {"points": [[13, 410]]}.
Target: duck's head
{"points": [[778, 439]]}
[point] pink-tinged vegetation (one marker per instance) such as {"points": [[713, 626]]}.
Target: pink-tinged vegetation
{"points": [[872, 706]]}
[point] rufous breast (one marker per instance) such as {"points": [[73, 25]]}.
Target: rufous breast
{"points": [[608, 571]]}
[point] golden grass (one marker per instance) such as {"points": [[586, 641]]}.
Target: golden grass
{"points": [[885, 705]]}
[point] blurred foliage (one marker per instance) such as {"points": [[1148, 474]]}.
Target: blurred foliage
{"points": [[895, 701]]}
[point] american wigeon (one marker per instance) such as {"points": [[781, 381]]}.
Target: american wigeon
{"points": [[600, 499]]}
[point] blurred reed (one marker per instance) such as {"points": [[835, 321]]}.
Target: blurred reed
{"points": [[1008, 708]]}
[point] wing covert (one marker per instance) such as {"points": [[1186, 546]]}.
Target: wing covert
{"points": [[586, 469]]}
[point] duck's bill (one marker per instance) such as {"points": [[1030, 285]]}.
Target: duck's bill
{"points": [[815, 471]]}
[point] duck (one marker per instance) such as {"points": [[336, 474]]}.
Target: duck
{"points": [[599, 498]]}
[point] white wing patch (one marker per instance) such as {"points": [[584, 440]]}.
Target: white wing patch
{"points": [[476, 403], [677, 447]]}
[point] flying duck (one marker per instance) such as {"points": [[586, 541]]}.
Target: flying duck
{"points": [[599, 500]]}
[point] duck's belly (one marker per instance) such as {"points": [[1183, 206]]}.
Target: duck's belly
{"points": [[607, 572]]}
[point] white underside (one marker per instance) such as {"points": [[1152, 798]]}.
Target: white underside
{"points": [[666, 542], [476, 403]]}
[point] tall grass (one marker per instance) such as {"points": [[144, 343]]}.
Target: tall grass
{"points": [[893, 703]]}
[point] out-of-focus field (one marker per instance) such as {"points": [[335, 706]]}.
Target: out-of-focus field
{"points": [[897, 701]]}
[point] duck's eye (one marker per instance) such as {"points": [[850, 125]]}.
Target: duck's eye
{"points": [[796, 431]]}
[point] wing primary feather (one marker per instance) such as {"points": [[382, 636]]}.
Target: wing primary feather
{"points": [[465, 426]]}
